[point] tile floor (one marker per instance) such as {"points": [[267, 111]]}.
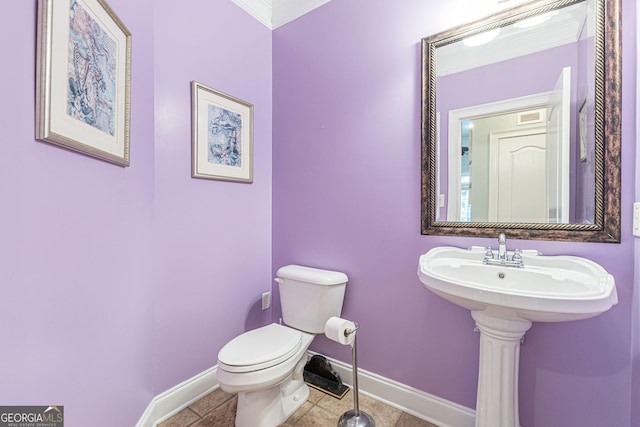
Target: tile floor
{"points": [[217, 409]]}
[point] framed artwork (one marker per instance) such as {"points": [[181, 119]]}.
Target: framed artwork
{"points": [[83, 79], [222, 135], [583, 125]]}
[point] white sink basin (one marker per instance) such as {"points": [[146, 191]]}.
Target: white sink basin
{"points": [[547, 289]]}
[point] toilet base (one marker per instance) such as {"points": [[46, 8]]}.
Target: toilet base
{"points": [[272, 406], [260, 408], [294, 401]]}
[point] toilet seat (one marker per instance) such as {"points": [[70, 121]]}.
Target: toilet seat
{"points": [[260, 348]]}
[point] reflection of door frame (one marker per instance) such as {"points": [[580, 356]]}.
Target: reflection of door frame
{"points": [[558, 143], [456, 117]]}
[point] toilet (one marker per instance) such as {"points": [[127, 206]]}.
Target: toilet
{"points": [[265, 366]]}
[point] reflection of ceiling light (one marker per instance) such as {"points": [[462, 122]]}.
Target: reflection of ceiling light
{"points": [[482, 38], [536, 20]]}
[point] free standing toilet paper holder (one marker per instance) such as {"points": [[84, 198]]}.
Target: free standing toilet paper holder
{"points": [[355, 417]]}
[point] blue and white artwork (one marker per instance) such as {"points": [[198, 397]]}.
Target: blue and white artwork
{"points": [[91, 71], [224, 137]]}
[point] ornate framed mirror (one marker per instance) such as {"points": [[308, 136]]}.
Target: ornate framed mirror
{"points": [[521, 124]]}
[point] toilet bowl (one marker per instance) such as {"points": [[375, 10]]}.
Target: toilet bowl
{"points": [[265, 366], [268, 379]]}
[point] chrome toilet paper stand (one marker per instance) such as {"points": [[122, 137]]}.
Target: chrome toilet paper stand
{"points": [[355, 417]]}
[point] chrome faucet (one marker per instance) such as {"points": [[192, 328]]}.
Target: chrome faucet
{"points": [[502, 247], [503, 255]]}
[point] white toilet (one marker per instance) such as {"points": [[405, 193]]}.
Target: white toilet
{"points": [[265, 366]]}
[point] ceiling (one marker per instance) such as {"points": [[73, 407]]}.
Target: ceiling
{"points": [[275, 13], [567, 25]]}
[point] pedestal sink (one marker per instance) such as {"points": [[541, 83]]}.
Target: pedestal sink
{"points": [[504, 301]]}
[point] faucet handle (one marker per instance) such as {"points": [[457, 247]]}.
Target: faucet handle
{"points": [[488, 252], [517, 255], [517, 258]]}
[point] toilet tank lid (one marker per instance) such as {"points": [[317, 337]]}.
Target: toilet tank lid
{"points": [[312, 275]]}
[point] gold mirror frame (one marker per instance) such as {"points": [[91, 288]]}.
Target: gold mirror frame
{"points": [[606, 227]]}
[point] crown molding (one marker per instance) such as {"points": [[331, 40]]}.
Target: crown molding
{"points": [[259, 9], [285, 11], [276, 13]]}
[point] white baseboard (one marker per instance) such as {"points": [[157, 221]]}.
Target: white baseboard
{"points": [[418, 403], [174, 400]]}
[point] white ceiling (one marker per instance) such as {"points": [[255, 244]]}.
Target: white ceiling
{"points": [[567, 26], [275, 13]]}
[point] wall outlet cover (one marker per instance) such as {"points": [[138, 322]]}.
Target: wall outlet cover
{"points": [[266, 300]]}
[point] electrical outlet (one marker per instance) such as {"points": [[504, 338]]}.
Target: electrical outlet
{"points": [[266, 300], [636, 219]]}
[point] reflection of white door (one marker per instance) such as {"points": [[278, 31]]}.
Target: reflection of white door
{"points": [[517, 180], [454, 143]]}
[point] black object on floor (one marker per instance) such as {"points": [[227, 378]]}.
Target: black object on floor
{"points": [[319, 374]]}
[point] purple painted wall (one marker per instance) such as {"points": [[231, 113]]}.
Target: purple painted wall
{"points": [[119, 283], [76, 315], [212, 239], [346, 196]]}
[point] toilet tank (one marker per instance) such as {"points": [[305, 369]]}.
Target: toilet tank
{"points": [[310, 296]]}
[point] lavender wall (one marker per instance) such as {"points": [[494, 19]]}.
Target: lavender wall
{"points": [[346, 196], [119, 283], [212, 239], [76, 314]]}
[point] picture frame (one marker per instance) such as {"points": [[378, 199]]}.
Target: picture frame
{"points": [[583, 130], [222, 135], [83, 84]]}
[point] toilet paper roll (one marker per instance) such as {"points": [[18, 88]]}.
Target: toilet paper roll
{"points": [[335, 329]]}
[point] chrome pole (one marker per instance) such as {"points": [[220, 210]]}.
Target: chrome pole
{"points": [[355, 417]]}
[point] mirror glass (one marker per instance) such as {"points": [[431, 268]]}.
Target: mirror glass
{"points": [[516, 125]]}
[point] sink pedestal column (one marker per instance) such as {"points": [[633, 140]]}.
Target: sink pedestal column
{"points": [[497, 398]]}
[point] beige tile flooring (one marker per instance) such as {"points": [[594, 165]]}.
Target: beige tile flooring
{"points": [[217, 409]]}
